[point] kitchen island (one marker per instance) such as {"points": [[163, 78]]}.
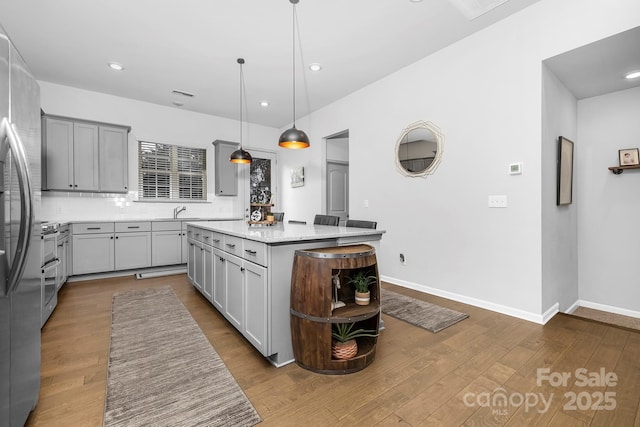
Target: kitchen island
{"points": [[245, 273]]}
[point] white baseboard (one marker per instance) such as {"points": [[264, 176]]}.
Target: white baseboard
{"points": [[608, 308], [509, 311], [573, 307]]}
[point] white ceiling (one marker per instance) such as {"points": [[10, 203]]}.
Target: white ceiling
{"points": [[599, 67], [193, 45]]}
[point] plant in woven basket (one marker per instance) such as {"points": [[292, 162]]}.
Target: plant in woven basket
{"points": [[344, 344], [361, 282]]}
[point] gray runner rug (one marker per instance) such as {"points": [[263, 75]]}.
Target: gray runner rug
{"points": [[420, 313], [163, 370]]}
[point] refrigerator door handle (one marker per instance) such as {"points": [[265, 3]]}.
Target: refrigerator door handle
{"points": [[8, 132]]}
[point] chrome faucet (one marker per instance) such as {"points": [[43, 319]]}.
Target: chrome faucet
{"points": [[177, 210]]}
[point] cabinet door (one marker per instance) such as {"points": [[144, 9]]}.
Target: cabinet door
{"points": [[234, 291], [166, 247], [191, 261], [219, 280], [58, 154], [113, 159], [226, 173], [132, 250], [85, 157], [255, 307], [198, 272], [208, 274], [184, 240], [93, 253]]}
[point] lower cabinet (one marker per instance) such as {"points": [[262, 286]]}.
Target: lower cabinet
{"points": [[132, 250], [235, 286], [93, 253]]}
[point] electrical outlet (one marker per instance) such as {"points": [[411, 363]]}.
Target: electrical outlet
{"points": [[497, 201], [403, 259]]}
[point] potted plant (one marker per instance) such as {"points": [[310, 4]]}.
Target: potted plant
{"points": [[361, 282], [344, 344]]}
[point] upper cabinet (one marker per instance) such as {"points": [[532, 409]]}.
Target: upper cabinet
{"points": [[226, 172], [80, 155]]}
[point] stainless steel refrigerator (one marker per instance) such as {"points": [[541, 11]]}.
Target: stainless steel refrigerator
{"points": [[20, 244]]}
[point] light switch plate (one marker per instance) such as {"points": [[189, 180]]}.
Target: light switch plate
{"points": [[515, 168], [499, 201]]}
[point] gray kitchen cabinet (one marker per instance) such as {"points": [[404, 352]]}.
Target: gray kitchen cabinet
{"points": [[80, 155], [183, 243], [234, 291], [114, 159], [133, 245], [225, 173], [168, 244], [255, 305], [93, 253], [208, 273], [218, 280]]}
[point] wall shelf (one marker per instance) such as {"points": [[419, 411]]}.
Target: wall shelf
{"points": [[617, 170]]}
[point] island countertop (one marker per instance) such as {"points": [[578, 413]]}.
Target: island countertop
{"points": [[286, 233]]}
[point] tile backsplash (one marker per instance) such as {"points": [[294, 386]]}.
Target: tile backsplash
{"points": [[70, 206]]}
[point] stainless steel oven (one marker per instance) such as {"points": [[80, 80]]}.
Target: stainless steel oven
{"points": [[50, 263]]}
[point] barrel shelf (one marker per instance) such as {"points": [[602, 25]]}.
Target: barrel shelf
{"points": [[312, 318]]}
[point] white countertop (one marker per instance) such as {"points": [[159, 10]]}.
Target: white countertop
{"points": [[282, 233]]}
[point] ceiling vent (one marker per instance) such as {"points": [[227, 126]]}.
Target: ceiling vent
{"points": [[183, 93]]}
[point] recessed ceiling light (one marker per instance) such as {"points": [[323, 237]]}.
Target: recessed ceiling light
{"points": [[264, 103], [633, 75], [315, 67], [115, 66], [178, 103], [415, 1]]}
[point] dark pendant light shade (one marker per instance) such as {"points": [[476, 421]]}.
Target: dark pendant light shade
{"points": [[292, 137], [241, 155]]}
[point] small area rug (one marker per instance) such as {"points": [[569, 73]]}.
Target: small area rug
{"points": [[163, 370], [420, 313]]}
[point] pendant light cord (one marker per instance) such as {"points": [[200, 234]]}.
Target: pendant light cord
{"points": [[241, 61], [294, 63]]}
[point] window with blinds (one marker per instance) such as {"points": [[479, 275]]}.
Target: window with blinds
{"points": [[171, 172]]}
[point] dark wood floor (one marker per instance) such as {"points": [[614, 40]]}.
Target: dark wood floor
{"points": [[454, 377]]}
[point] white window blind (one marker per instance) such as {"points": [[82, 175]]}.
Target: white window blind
{"points": [[171, 172]]}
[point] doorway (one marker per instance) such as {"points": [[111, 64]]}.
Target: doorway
{"points": [[337, 175], [260, 183]]}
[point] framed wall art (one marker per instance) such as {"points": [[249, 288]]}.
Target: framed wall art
{"points": [[297, 177], [565, 171], [629, 157]]}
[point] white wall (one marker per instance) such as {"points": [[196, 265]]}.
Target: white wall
{"points": [[608, 204], [559, 223], [152, 123], [485, 94]]}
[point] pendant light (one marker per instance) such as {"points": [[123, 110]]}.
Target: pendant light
{"points": [[240, 155], [294, 138]]}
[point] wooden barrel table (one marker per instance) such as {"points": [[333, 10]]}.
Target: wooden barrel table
{"points": [[312, 316]]}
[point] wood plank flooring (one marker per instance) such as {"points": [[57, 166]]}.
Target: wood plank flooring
{"points": [[481, 371]]}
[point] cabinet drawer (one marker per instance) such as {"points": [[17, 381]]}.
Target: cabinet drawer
{"points": [[254, 251], [212, 238], [232, 244], [126, 227], [166, 225], [93, 227]]}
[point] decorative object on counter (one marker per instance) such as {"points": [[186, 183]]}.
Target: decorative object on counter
{"points": [[420, 313], [297, 177], [344, 345], [629, 157], [271, 217], [361, 282], [163, 370], [241, 155], [565, 171], [292, 137], [419, 149]]}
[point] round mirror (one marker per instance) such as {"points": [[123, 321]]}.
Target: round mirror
{"points": [[419, 149]]}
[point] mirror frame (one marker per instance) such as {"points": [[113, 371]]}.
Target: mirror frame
{"points": [[439, 136]]}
